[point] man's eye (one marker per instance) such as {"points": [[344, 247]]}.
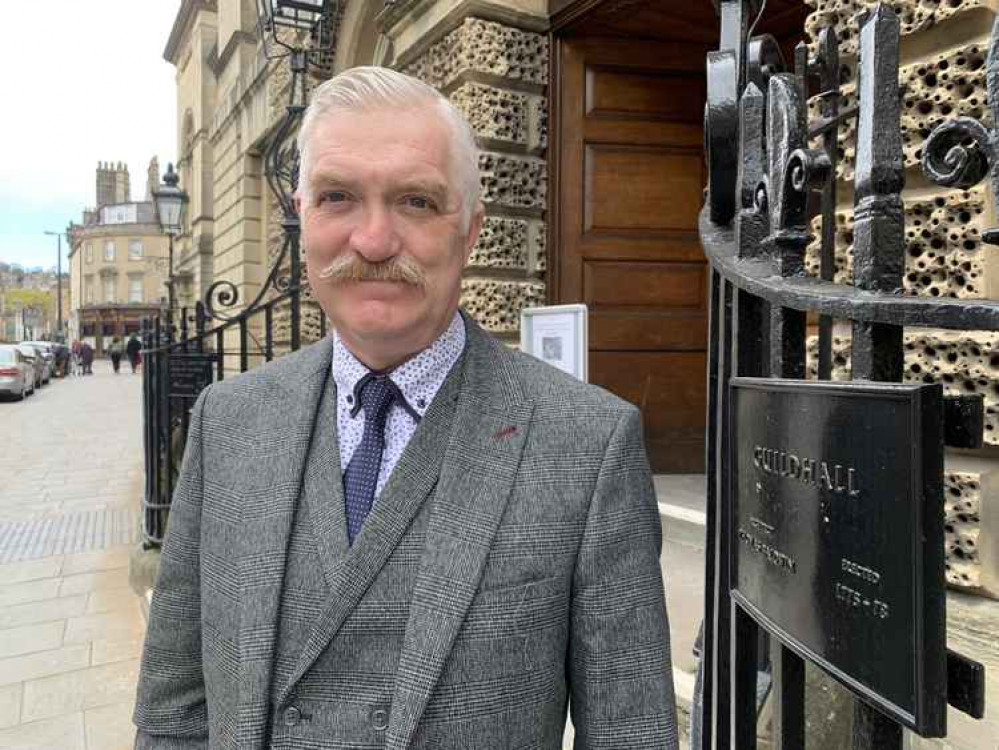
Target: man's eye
{"points": [[419, 202], [332, 196]]}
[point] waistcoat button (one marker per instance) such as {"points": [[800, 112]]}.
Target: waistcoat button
{"points": [[292, 716], [379, 719]]}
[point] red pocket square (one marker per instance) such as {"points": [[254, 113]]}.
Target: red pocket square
{"points": [[506, 433]]}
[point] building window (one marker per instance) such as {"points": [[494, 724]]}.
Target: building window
{"points": [[109, 251], [88, 329], [108, 288], [135, 289], [107, 329], [135, 249], [88, 295], [89, 251]]}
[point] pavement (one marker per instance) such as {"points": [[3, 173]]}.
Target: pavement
{"points": [[71, 629]]}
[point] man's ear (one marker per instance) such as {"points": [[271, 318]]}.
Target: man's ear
{"points": [[474, 228]]}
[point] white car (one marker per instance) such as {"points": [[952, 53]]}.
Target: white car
{"points": [[17, 376]]}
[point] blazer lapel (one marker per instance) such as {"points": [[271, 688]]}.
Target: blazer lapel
{"points": [[322, 489], [266, 527], [481, 463], [351, 570]]}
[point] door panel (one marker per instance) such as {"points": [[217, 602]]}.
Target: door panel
{"points": [[641, 188], [669, 389], [630, 177]]}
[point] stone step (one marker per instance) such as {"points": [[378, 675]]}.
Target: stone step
{"points": [[681, 500]]}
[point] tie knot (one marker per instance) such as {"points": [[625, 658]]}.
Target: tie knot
{"points": [[376, 396]]}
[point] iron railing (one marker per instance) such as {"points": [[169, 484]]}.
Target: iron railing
{"points": [[771, 172], [183, 355]]}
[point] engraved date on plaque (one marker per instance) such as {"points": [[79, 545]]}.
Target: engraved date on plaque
{"points": [[853, 599]]}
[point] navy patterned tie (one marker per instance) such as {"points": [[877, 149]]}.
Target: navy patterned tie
{"points": [[361, 478]]}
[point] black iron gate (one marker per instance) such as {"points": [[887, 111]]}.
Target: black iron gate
{"points": [[825, 505], [186, 350]]}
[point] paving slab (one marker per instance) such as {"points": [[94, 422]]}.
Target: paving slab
{"points": [[110, 727], [30, 638], [79, 690], [58, 733]]}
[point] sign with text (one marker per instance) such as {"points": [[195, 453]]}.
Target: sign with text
{"points": [[190, 373], [837, 533]]}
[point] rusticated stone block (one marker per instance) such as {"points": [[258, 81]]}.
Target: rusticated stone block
{"points": [[484, 47], [962, 528], [513, 182], [965, 362], [840, 354], [496, 305], [915, 15], [495, 113], [503, 243], [944, 254]]}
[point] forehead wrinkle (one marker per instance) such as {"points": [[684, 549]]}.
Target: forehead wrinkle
{"points": [[336, 141]]}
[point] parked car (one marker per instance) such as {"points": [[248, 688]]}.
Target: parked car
{"points": [[48, 357], [34, 358], [17, 376]]}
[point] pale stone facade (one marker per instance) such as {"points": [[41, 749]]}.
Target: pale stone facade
{"points": [[118, 262], [192, 49]]}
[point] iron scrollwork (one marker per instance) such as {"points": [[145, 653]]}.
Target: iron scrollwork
{"points": [[960, 153]]}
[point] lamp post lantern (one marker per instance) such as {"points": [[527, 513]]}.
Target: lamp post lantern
{"points": [[170, 202], [58, 236]]}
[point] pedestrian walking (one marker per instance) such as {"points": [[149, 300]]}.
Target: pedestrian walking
{"points": [[134, 351], [87, 358], [116, 350], [74, 355]]}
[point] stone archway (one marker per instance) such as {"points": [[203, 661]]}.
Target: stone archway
{"points": [[359, 40]]}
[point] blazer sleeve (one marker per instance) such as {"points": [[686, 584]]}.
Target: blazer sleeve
{"points": [[170, 709], [620, 673]]}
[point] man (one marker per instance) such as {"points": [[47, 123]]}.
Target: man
{"points": [[134, 351], [407, 535]]}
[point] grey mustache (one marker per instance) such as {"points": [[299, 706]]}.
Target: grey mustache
{"points": [[353, 268]]}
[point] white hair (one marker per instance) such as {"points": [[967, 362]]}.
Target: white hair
{"points": [[367, 88]]}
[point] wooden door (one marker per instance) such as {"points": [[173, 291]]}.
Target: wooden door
{"points": [[628, 182]]}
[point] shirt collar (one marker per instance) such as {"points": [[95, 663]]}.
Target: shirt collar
{"points": [[418, 378]]}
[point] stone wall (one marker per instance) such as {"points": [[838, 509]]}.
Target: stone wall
{"points": [[497, 76]]}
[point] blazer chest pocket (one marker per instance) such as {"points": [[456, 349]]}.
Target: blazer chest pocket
{"points": [[521, 608], [504, 632]]}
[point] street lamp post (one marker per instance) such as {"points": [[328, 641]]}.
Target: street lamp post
{"points": [[58, 236], [170, 202]]}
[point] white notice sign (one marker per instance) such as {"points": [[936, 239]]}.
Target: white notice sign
{"points": [[558, 336]]}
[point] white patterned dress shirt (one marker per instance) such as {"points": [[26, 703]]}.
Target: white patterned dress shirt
{"points": [[418, 379]]}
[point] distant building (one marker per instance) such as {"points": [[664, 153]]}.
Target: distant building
{"points": [[118, 260]]}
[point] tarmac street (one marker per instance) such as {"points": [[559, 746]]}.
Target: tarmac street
{"points": [[71, 629]]}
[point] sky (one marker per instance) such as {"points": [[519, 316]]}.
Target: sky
{"points": [[80, 83]]}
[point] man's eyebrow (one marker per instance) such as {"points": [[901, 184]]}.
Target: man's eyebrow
{"points": [[327, 178], [432, 187]]}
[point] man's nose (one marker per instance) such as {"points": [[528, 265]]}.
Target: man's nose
{"points": [[374, 238]]}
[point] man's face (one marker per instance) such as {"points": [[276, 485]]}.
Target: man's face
{"points": [[380, 200]]}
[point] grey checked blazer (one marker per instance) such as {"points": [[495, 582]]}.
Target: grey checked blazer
{"points": [[509, 567]]}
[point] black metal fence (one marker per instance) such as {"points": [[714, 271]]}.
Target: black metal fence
{"points": [[183, 355], [771, 172]]}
